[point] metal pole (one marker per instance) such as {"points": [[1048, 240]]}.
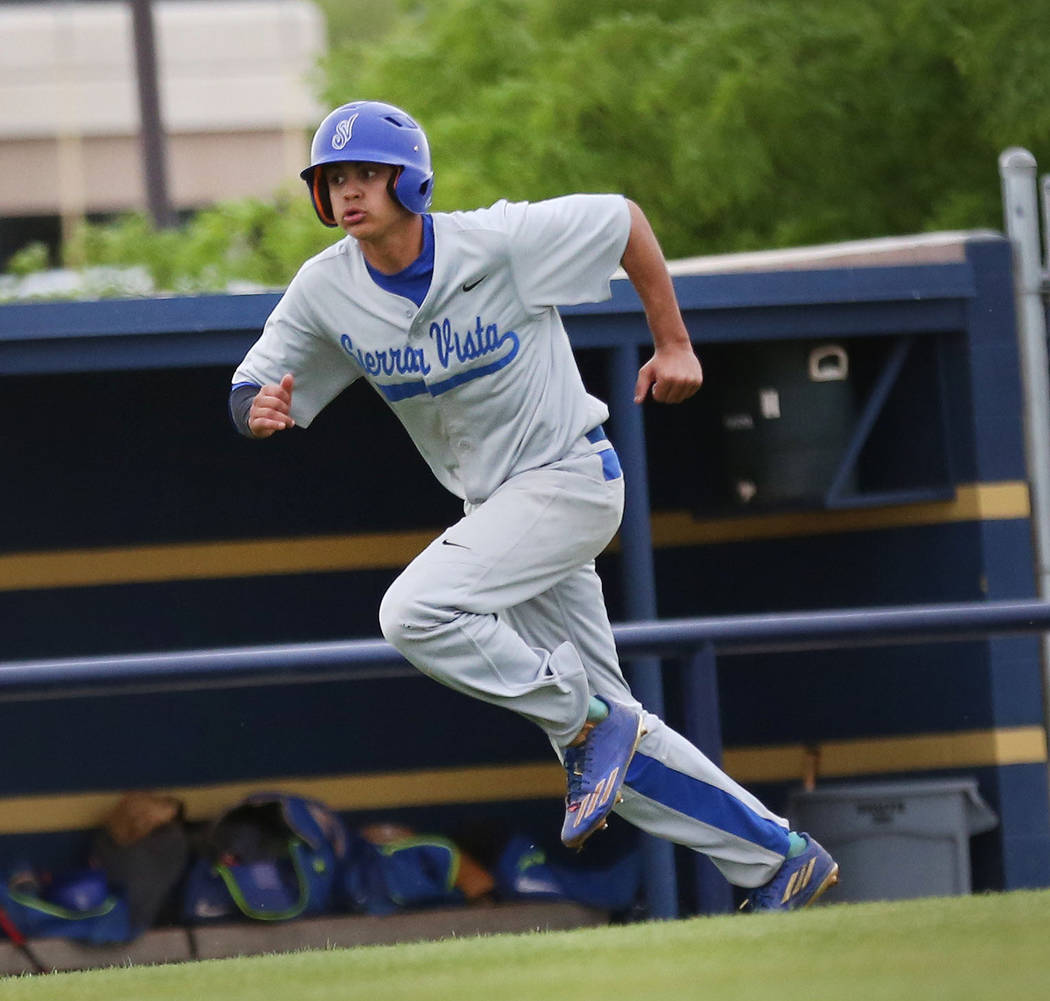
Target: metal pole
{"points": [[639, 588], [72, 175], [154, 152], [1045, 198], [1017, 170], [636, 544], [703, 727]]}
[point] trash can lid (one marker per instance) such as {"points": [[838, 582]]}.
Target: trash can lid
{"points": [[979, 815]]}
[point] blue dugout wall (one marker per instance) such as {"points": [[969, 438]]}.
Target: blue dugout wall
{"points": [[136, 520]]}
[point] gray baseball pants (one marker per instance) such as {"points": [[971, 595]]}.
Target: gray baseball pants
{"points": [[506, 606]]}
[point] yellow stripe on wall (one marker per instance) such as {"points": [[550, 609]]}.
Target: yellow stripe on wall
{"points": [[873, 756], [392, 550], [206, 561], [498, 783], [974, 502], [379, 791]]}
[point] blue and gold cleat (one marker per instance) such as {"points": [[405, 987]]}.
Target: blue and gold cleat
{"points": [[797, 883], [596, 769]]}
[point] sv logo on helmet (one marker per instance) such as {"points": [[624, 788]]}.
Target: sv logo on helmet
{"points": [[343, 131]]}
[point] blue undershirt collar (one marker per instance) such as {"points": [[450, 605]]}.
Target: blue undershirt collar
{"points": [[414, 281]]}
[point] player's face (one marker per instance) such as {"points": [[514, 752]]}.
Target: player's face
{"points": [[361, 199]]}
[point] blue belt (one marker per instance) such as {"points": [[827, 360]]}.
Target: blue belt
{"points": [[610, 460]]}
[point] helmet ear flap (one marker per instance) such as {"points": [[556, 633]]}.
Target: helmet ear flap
{"points": [[413, 189], [321, 198]]}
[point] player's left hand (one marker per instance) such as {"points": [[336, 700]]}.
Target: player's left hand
{"points": [[673, 374]]}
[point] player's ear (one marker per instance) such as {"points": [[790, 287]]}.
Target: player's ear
{"points": [[391, 185]]}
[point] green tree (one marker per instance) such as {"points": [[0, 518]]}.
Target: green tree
{"points": [[357, 20], [737, 124]]}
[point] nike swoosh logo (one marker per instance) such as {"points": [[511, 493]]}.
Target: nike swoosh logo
{"points": [[445, 542], [467, 286]]}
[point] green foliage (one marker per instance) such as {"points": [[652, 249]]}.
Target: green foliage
{"points": [[737, 124], [252, 241], [357, 20], [32, 257]]}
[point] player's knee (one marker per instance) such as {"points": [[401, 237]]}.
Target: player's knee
{"points": [[391, 619], [406, 620]]}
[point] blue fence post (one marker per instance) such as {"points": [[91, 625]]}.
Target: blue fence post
{"points": [[702, 725], [639, 589]]}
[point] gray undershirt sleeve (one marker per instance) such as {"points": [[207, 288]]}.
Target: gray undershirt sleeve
{"points": [[241, 397]]}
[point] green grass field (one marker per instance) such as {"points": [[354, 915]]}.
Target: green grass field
{"points": [[958, 948]]}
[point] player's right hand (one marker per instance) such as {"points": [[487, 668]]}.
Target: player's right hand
{"points": [[271, 408]]}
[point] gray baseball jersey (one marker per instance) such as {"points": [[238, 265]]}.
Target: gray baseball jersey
{"points": [[482, 375]]}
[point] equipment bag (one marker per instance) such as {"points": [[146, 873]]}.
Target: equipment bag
{"points": [[524, 870], [416, 871], [79, 905], [273, 857]]}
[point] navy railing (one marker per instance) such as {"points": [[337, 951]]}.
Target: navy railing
{"points": [[696, 641], [325, 661]]}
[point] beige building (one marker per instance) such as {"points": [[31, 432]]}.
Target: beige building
{"points": [[236, 104]]}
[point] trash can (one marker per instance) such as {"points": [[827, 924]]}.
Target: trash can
{"points": [[896, 840], [787, 412]]}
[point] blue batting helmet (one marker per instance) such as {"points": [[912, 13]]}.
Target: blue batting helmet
{"points": [[371, 132]]}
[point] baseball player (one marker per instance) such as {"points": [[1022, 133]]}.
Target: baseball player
{"points": [[452, 318]]}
